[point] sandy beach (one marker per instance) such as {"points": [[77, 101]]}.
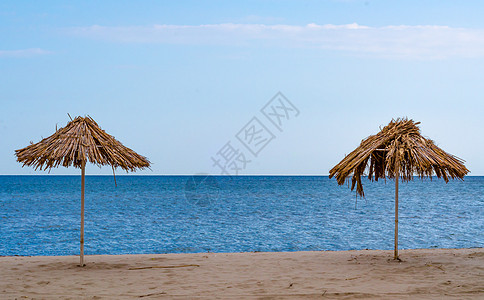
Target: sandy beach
{"points": [[422, 274]]}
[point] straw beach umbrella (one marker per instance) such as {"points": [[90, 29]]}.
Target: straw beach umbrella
{"points": [[397, 151], [81, 141]]}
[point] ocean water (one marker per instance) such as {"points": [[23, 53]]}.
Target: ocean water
{"points": [[40, 215]]}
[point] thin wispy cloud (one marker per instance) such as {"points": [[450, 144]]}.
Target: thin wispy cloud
{"points": [[24, 52], [424, 42]]}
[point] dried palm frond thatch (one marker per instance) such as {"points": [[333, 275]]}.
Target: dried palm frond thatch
{"points": [[397, 151], [81, 141]]}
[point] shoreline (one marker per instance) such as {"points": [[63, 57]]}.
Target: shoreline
{"points": [[422, 274], [244, 252]]}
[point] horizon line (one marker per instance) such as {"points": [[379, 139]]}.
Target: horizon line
{"points": [[199, 174]]}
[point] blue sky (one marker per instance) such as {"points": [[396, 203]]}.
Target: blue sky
{"points": [[177, 80]]}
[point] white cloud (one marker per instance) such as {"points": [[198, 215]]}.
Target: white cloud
{"points": [[424, 42], [23, 52]]}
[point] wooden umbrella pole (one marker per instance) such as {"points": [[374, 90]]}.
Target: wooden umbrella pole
{"points": [[114, 175], [395, 252], [83, 180]]}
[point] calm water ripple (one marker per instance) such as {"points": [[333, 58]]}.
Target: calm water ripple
{"points": [[39, 215]]}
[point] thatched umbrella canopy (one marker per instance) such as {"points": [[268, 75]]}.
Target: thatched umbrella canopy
{"points": [[397, 151], [81, 141]]}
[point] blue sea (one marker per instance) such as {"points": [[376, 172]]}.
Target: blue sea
{"points": [[40, 215]]}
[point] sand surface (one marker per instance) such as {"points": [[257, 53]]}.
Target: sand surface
{"points": [[422, 274]]}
